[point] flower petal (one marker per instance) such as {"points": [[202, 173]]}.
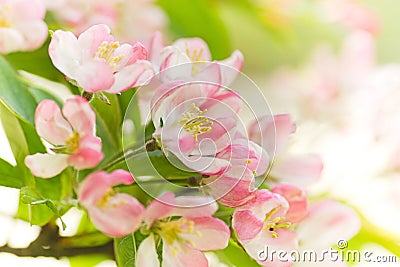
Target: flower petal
{"points": [[194, 206], [195, 48], [159, 208], [91, 39], [231, 67], [46, 165], [80, 115], [297, 199], [50, 124], [179, 255], [89, 154], [147, 255], [246, 225]]}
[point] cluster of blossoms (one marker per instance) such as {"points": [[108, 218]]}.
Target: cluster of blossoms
{"points": [[199, 124]]}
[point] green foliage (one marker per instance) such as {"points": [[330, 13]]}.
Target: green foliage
{"points": [[125, 250]]}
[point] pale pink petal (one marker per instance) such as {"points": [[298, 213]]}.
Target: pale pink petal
{"points": [[137, 74], [179, 255], [65, 53], [139, 53], [286, 241], [33, 41], [28, 10], [90, 40], [208, 234], [174, 64], [231, 67], [80, 115], [155, 47], [46, 165], [205, 165], [94, 75], [302, 170], [118, 177], [11, 40], [89, 154], [246, 225], [93, 188], [297, 199], [331, 221], [159, 208], [272, 133], [122, 214], [194, 206], [195, 48], [147, 254], [50, 124]]}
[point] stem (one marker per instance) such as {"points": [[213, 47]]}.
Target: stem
{"points": [[131, 152]]}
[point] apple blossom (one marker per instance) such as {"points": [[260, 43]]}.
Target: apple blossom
{"points": [[115, 214], [96, 62], [21, 25], [273, 133], [184, 239], [262, 221], [71, 131]]}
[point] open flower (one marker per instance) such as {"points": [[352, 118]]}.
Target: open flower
{"points": [[96, 62], [72, 132], [273, 133], [184, 239], [21, 25], [195, 122], [262, 222], [115, 214]]}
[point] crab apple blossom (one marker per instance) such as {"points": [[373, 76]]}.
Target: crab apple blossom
{"points": [[21, 25], [262, 221], [96, 62], [71, 132], [272, 133], [195, 61], [184, 239], [115, 214], [195, 122]]}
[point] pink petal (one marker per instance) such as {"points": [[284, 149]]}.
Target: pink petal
{"points": [[90, 40], [194, 48], [118, 177], [272, 133], [205, 165], [231, 67], [301, 171], [64, 52], [170, 58], [122, 214], [194, 206], [179, 255], [331, 221], [297, 199], [246, 225], [208, 234], [146, 254], [93, 188], [33, 41], [139, 53], [94, 75], [80, 115], [11, 40], [50, 124], [159, 208], [27, 10], [137, 74], [156, 45], [46, 165]]}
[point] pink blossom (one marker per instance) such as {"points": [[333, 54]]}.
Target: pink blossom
{"points": [[193, 57], [115, 214], [195, 122], [273, 133], [71, 131], [21, 25], [262, 222], [96, 62], [184, 239]]}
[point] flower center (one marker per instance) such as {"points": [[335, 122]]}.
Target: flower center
{"points": [[170, 231], [71, 145], [106, 52], [276, 223], [194, 123], [108, 200], [4, 17]]}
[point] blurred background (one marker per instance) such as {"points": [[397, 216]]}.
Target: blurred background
{"points": [[332, 64]]}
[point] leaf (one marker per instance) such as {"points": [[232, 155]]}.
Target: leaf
{"points": [[87, 260], [94, 239], [199, 18], [235, 255], [125, 250], [10, 176], [14, 94]]}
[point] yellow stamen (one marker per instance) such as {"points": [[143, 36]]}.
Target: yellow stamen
{"points": [[276, 223], [105, 199], [194, 123], [4, 17], [106, 51]]}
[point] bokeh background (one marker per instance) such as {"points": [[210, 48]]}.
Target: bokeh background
{"points": [[332, 64]]}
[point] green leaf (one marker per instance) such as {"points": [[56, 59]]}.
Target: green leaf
{"points": [[14, 94], [87, 260], [94, 239], [10, 176], [234, 255], [125, 250], [199, 18]]}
